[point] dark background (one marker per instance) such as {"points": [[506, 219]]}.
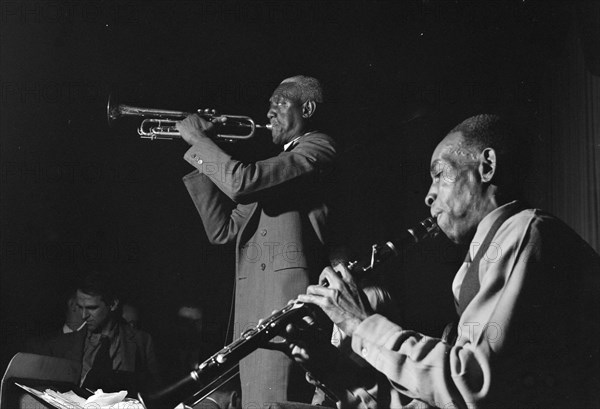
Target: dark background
{"points": [[79, 196]]}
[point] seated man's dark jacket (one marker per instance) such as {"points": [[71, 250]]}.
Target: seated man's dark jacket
{"points": [[138, 370]]}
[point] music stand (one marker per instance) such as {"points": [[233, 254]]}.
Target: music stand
{"points": [[36, 371]]}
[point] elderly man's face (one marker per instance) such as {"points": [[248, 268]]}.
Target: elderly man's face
{"points": [[285, 114], [455, 195]]}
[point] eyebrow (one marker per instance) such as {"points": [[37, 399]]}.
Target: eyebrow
{"points": [[434, 166], [279, 97], [89, 307]]}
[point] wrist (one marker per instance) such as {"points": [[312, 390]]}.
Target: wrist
{"points": [[350, 325]]}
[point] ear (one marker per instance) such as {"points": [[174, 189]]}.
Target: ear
{"points": [[234, 401], [487, 165], [309, 108], [114, 305]]}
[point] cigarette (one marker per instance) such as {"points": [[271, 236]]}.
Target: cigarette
{"points": [[81, 326]]}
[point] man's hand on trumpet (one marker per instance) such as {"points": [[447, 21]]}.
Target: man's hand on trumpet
{"points": [[194, 127], [342, 300]]}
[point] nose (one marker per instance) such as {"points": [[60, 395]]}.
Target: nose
{"points": [[271, 112], [430, 197], [85, 314]]}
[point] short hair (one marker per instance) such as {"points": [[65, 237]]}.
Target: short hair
{"points": [[310, 88], [486, 130], [98, 284], [510, 143]]}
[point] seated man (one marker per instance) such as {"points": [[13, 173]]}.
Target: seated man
{"points": [[527, 294], [113, 355], [73, 320], [130, 313]]}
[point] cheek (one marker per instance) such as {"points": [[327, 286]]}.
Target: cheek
{"points": [[454, 197], [463, 193], [284, 120]]}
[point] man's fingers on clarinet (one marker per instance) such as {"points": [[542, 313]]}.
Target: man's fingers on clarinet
{"points": [[311, 299], [329, 277], [342, 271]]}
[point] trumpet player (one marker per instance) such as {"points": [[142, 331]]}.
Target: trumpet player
{"points": [[274, 210], [526, 296]]}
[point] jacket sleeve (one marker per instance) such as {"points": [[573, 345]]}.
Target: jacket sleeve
{"points": [[356, 383], [248, 182], [222, 219]]}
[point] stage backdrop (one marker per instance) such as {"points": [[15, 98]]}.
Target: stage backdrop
{"points": [[568, 175]]}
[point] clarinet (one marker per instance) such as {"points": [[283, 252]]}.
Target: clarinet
{"points": [[222, 366]]}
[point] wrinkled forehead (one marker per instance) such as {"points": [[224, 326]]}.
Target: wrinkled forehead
{"points": [[287, 90]]}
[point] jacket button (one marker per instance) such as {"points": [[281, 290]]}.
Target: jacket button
{"points": [[263, 266], [263, 232]]}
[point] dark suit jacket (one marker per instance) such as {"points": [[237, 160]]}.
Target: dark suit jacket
{"points": [[138, 370], [279, 224]]}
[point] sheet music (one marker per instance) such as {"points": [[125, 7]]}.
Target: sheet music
{"points": [[70, 400]]}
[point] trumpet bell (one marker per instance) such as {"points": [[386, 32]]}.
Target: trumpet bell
{"points": [[112, 111]]}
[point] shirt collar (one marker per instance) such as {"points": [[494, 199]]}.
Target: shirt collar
{"points": [[111, 331], [293, 141], [486, 223], [482, 229]]}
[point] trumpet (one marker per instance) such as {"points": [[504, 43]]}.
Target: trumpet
{"points": [[223, 365], [160, 123]]}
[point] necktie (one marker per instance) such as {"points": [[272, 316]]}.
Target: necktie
{"points": [[470, 285], [467, 261]]}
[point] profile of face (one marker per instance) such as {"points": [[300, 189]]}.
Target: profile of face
{"points": [[95, 311], [456, 192], [73, 316], [287, 114], [190, 319]]}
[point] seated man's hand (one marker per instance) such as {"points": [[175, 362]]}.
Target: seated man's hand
{"points": [[343, 302], [310, 347], [194, 128], [305, 341]]}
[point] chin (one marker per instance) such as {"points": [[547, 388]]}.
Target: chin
{"points": [[450, 234]]}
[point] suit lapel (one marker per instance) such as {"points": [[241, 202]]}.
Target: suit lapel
{"points": [[244, 235]]}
